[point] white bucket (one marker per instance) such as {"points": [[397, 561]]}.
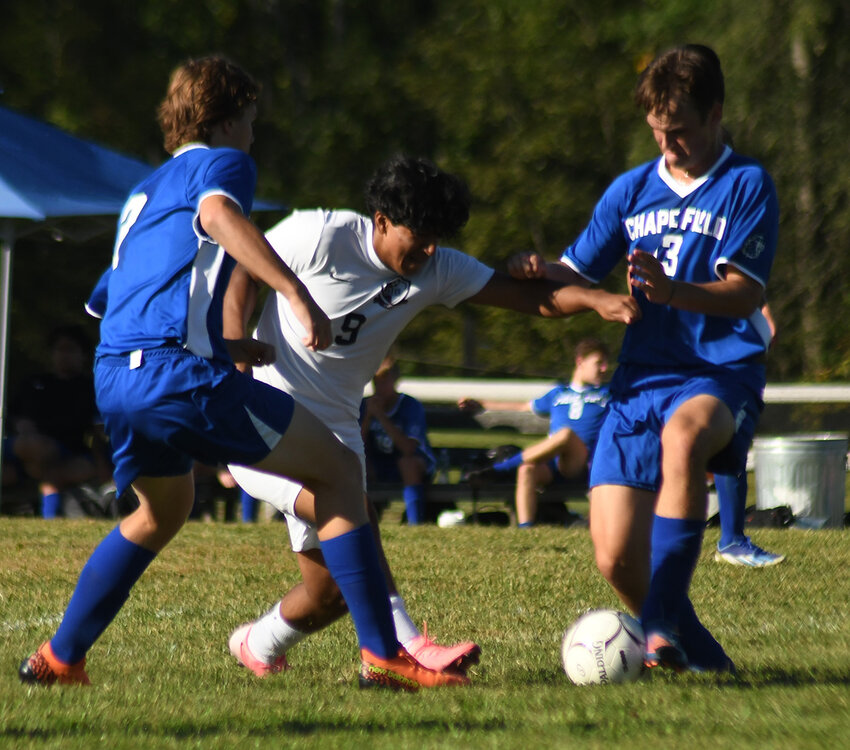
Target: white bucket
{"points": [[805, 472]]}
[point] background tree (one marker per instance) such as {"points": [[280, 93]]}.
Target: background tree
{"points": [[530, 102]]}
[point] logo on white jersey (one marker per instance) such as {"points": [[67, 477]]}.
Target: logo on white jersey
{"points": [[394, 293]]}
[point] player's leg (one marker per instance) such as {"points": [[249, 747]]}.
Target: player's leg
{"points": [[697, 430], [528, 478], [109, 574], [620, 527], [310, 454], [316, 602], [412, 471], [734, 546]]}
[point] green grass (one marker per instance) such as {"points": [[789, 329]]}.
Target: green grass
{"points": [[163, 676]]}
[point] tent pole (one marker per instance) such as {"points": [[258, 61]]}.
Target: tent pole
{"points": [[7, 234]]}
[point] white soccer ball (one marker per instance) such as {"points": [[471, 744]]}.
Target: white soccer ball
{"points": [[603, 646]]}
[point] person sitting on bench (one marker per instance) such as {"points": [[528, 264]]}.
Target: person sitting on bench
{"points": [[575, 414]]}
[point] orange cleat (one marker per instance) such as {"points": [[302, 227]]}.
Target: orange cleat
{"points": [[402, 672], [43, 668]]}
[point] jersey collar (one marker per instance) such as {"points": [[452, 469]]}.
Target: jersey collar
{"points": [[683, 190]]}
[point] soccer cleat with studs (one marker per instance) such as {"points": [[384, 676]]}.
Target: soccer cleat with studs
{"points": [[43, 668], [457, 658], [402, 672], [747, 554], [238, 645], [663, 650]]}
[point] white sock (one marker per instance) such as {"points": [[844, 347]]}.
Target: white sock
{"points": [[271, 635], [405, 630]]}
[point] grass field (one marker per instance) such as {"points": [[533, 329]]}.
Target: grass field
{"points": [[164, 678]]}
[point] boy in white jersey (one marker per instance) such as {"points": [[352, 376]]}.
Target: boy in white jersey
{"points": [[699, 227], [371, 274]]}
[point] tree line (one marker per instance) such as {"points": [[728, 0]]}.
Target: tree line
{"points": [[531, 102]]}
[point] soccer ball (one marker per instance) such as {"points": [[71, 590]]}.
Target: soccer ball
{"points": [[603, 646]]}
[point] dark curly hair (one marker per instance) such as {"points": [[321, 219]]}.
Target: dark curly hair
{"points": [[414, 193]]}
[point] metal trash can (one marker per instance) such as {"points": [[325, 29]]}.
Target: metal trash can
{"points": [[805, 472]]}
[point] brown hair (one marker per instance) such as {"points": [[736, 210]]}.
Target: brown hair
{"points": [[690, 72], [202, 93], [591, 345]]}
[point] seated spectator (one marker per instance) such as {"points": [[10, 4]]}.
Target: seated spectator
{"points": [[575, 414], [57, 437], [396, 441]]}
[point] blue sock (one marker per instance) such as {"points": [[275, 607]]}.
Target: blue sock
{"points": [[352, 560], [701, 647], [102, 589], [414, 503], [676, 544], [525, 525], [732, 503], [249, 507], [514, 462], [51, 504]]}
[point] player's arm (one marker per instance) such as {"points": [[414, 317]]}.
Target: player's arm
{"points": [[239, 302], [532, 265], [405, 444], [736, 296], [222, 220], [469, 405], [552, 299]]}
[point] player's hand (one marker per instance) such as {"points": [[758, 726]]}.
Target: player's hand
{"points": [[618, 308], [248, 353], [647, 274], [313, 319], [469, 405], [527, 265]]}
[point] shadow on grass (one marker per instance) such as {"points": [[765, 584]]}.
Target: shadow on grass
{"points": [[282, 728], [750, 680]]}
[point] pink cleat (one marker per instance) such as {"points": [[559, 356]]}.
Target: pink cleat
{"points": [[239, 648], [457, 658]]}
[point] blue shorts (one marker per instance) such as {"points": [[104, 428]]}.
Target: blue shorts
{"points": [[177, 407], [628, 451]]}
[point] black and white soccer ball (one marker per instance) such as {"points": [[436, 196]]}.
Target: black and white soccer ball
{"points": [[603, 646]]}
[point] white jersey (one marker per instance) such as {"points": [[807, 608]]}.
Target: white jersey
{"points": [[368, 305]]}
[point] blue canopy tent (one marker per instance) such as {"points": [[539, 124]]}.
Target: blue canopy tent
{"points": [[50, 179]]}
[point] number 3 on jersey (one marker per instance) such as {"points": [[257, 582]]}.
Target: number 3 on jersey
{"points": [[668, 253], [350, 327]]}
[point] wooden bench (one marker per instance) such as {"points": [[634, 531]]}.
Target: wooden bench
{"points": [[479, 490]]}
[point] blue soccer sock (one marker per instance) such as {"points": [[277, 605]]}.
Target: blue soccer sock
{"points": [[676, 544], [102, 589], [514, 462], [701, 647], [249, 507], [51, 504], [352, 559], [732, 504], [414, 503]]}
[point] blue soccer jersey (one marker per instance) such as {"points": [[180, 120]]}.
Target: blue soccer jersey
{"points": [[408, 415], [168, 278], [728, 217], [582, 410]]}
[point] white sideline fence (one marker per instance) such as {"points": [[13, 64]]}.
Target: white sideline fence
{"points": [[448, 390]]}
